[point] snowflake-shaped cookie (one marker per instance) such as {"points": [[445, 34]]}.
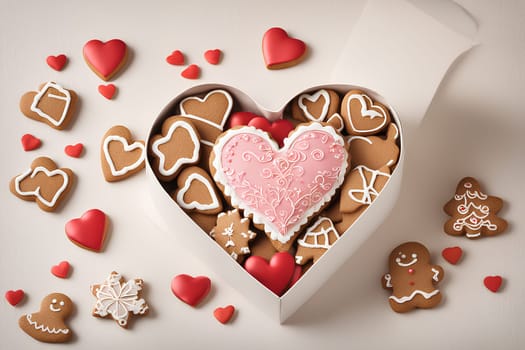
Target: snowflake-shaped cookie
{"points": [[233, 233], [118, 298]]}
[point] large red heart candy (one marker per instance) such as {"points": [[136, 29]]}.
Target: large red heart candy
{"points": [[191, 290], [105, 58], [281, 51], [275, 275], [89, 230], [452, 254], [279, 129], [14, 297], [493, 283]]}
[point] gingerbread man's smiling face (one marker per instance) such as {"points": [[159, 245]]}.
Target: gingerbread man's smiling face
{"points": [[408, 255], [58, 304]]}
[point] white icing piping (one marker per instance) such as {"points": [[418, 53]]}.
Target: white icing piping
{"points": [[36, 192], [45, 329], [194, 204], [127, 148], [426, 295], [199, 118], [40, 94], [366, 112], [313, 98]]}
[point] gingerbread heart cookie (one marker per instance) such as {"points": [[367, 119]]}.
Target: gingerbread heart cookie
{"points": [[362, 115], [44, 182], [176, 146], [196, 192], [48, 325], [105, 59], [120, 155], [52, 104], [374, 152], [315, 107]]}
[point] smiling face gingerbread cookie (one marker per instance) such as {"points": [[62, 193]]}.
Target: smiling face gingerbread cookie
{"points": [[48, 325], [412, 278]]}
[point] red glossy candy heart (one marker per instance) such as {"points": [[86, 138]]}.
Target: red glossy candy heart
{"points": [[275, 275], [176, 58], [108, 91], [452, 254], [56, 62], [279, 50], [191, 72], [224, 314], [14, 297], [240, 118], [61, 270], [213, 56], [105, 58], [493, 283], [89, 230], [279, 129], [191, 290], [30, 142], [74, 151]]}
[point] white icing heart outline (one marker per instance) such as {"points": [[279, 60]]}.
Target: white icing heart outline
{"points": [[39, 96], [366, 112], [314, 98], [181, 161], [127, 148], [36, 192], [194, 204]]}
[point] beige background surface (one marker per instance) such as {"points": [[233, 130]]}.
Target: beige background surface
{"points": [[474, 126]]}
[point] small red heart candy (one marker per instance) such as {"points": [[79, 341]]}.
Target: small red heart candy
{"points": [[493, 283], [279, 129], [241, 118], [275, 275], [89, 230], [193, 71], [281, 51], [61, 270], [108, 91], [56, 62], [74, 151], [14, 297], [224, 314], [452, 254], [30, 142], [213, 56], [176, 58], [190, 290]]}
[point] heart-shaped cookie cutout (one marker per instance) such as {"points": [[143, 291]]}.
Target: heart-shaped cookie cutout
{"points": [[170, 214], [105, 58], [120, 155]]}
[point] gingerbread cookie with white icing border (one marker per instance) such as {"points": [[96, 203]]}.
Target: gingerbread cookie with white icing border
{"points": [[44, 183], [376, 151], [362, 115], [196, 191], [316, 241], [48, 325], [280, 189], [52, 104], [362, 186], [315, 107], [120, 155], [472, 212], [412, 278], [177, 146], [233, 233], [119, 299]]}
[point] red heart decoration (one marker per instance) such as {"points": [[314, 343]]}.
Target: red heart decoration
{"points": [[14, 297], [61, 270], [493, 283], [213, 56], [297, 273], [30, 142], [224, 314], [275, 275], [191, 72], [279, 129], [190, 290], [105, 58], [240, 119], [108, 91], [74, 150], [176, 58], [452, 254], [281, 51], [89, 230], [56, 62]]}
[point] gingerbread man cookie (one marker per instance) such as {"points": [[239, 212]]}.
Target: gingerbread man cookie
{"points": [[48, 324], [44, 182], [118, 299], [473, 213], [51, 104], [412, 279], [233, 233]]}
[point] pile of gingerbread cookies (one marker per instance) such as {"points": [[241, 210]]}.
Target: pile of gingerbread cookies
{"points": [[292, 185]]}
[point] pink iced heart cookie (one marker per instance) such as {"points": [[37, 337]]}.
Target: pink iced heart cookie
{"points": [[281, 189]]}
